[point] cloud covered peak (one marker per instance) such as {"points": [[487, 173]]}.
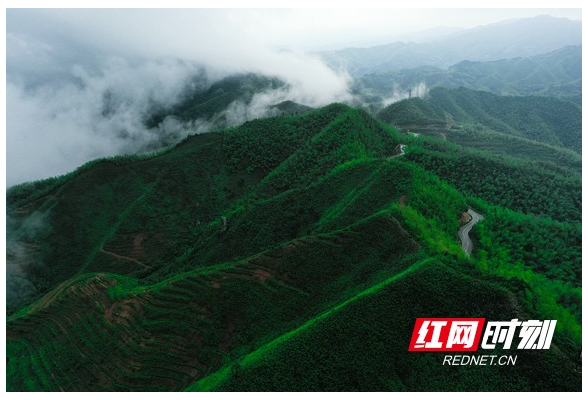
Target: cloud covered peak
{"points": [[81, 83]]}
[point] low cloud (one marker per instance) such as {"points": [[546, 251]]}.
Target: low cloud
{"points": [[81, 83], [419, 90], [53, 128], [22, 258]]}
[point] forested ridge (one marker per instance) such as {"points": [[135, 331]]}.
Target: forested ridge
{"points": [[246, 258], [543, 119], [556, 74]]}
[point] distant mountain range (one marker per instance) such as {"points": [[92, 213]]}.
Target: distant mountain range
{"points": [[509, 39], [557, 73]]}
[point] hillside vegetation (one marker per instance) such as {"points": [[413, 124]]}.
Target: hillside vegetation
{"points": [[544, 119], [557, 73], [289, 253]]}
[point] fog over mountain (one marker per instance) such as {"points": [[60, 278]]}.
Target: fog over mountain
{"points": [[260, 200], [82, 83], [508, 39]]}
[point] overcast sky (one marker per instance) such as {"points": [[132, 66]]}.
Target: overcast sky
{"points": [[61, 63], [171, 31]]}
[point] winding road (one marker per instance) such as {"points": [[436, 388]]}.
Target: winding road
{"points": [[401, 147], [466, 242], [464, 231]]}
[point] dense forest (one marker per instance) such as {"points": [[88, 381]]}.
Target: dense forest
{"points": [[277, 254], [215, 201], [543, 119], [521, 185]]}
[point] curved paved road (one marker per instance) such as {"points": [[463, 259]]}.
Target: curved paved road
{"points": [[402, 147], [464, 231]]}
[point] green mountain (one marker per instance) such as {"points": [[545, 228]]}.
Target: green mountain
{"points": [[558, 73], [208, 103], [555, 73], [229, 101], [290, 253], [290, 107], [542, 119]]}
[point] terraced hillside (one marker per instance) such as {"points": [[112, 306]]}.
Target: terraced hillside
{"points": [[164, 336], [290, 253]]}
